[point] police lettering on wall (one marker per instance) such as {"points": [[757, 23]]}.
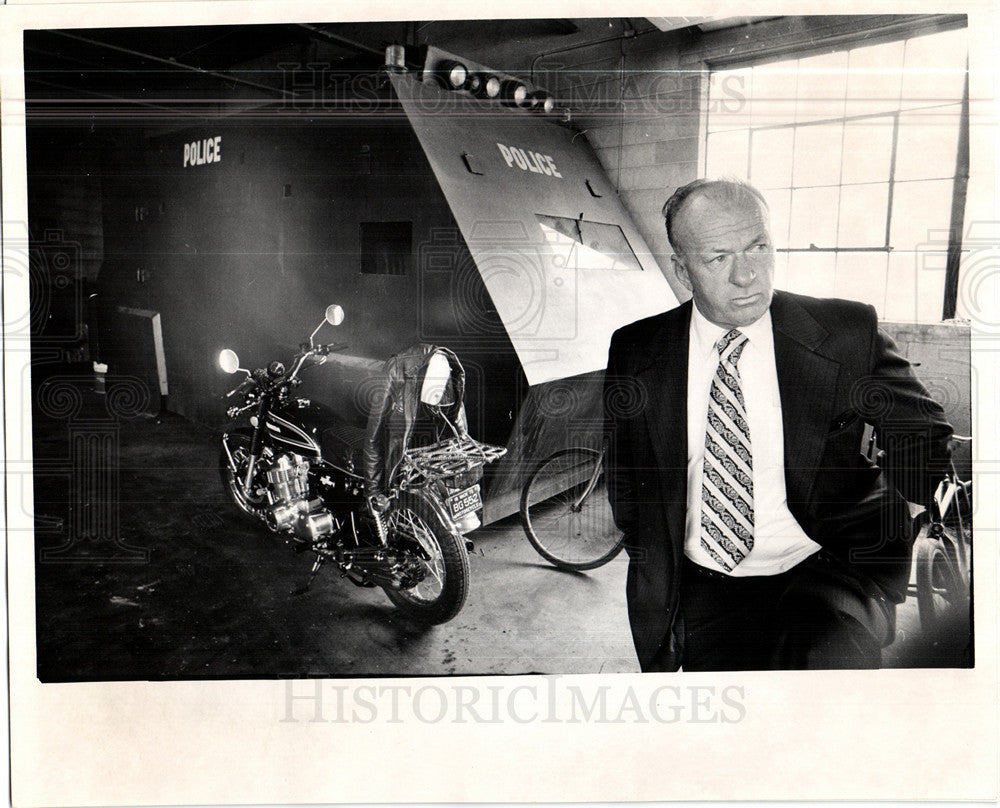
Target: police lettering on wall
{"points": [[199, 152], [528, 160]]}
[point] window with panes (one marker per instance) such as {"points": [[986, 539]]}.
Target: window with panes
{"points": [[860, 155]]}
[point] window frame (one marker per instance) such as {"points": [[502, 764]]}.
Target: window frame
{"points": [[909, 29]]}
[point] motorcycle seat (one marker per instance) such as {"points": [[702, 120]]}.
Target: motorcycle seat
{"points": [[343, 443]]}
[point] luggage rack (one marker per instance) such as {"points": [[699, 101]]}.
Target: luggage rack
{"points": [[445, 459]]}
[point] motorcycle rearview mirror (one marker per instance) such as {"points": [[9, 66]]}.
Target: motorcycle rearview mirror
{"points": [[229, 361], [334, 314]]}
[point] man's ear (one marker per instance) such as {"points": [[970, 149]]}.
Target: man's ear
{"points": [[680, 270]]}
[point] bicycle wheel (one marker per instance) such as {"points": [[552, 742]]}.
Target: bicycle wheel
{"points": [[565, 511]]}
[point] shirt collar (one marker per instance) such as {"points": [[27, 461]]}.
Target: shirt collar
{"points": [[705, 334]]}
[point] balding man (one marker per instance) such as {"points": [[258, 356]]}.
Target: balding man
{"points": [[759, 533]]}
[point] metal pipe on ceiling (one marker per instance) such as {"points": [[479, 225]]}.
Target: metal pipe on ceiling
{"points": [[180, 65], [88, 112], [631, 33], [341, 40]]}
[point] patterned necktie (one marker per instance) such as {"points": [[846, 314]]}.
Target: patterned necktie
{"points": [[727, 479]]}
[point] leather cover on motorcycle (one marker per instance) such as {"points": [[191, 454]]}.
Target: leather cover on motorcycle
{"points": [[397, 418]]}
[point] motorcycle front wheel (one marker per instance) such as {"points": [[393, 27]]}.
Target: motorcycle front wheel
{"points": [[238, 443], [415, 524]]}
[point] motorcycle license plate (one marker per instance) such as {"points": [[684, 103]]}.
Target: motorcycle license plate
{"points": [[464, 502]]}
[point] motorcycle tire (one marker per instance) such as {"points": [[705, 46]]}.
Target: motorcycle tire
{"points": [[441, 594], [239, 444]]}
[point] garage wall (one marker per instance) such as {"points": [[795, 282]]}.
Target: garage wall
{"points": [[941, 354], [64, 196], [66, 241]]}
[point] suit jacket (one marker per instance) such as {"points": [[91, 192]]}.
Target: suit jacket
{"points": [[836, 373]]}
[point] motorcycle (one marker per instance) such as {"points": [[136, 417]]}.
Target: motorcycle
{"points": [[297, 466]]}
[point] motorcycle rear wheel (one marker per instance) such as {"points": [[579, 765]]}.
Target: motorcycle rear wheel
{"points": [[239, 444], [442, 593]]}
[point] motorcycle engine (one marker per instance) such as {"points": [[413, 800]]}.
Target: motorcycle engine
{"points": [[291, 509]]}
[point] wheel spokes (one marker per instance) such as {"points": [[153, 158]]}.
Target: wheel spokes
{"points": [[409, 524], [574, 534]]}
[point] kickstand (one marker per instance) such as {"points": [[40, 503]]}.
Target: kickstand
{"points": [[312, 576]]}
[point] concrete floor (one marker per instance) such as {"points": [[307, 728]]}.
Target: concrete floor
{"points": [[164, 581]]}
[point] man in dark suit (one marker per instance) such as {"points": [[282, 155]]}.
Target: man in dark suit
{"points": [[759, 533]]}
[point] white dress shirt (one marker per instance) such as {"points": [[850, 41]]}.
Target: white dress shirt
{"points": [[779, 541]]}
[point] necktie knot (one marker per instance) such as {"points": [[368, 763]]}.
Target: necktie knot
{"points": [[731, 345]]}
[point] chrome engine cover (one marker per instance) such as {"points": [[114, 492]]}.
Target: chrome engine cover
{"points": [[291, 508], [288, 479]]}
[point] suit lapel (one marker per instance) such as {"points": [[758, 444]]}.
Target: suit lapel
{"points": [[807, 382], [665, 383]]}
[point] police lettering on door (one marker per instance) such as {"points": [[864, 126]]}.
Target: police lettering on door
{"points": [[528, 160], [199, 152]]}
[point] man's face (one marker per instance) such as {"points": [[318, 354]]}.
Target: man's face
{"points": [[725, 257]]}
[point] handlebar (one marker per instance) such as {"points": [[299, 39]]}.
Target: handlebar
{"points": [[263, 379], [315, 350], [321, 349], [238, 387]]}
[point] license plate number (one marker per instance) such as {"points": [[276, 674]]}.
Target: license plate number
{"points": [[464, 502]]}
